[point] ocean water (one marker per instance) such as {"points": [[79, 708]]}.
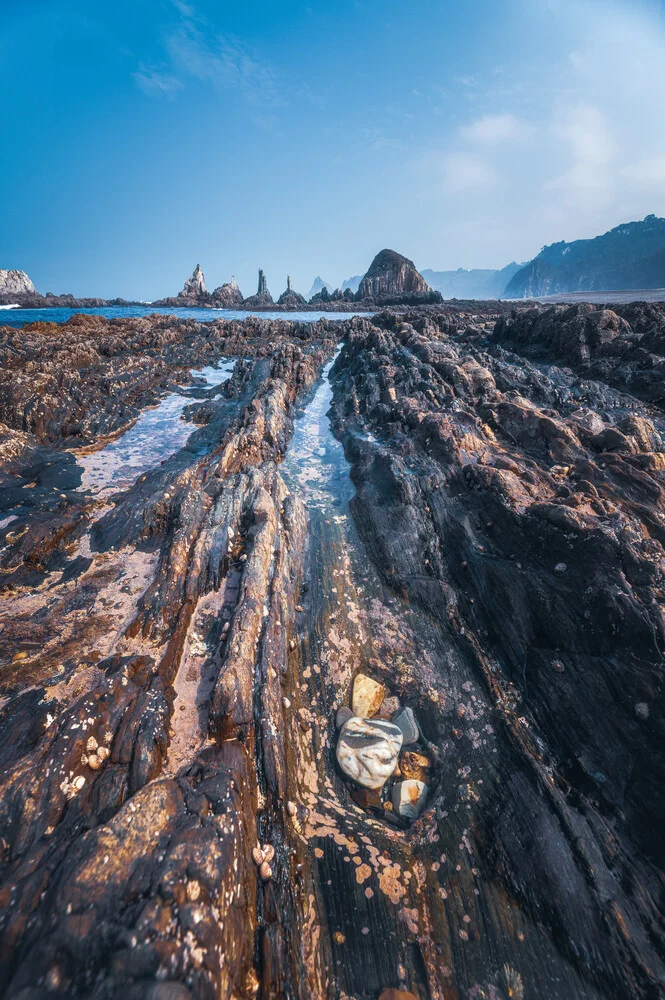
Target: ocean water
{"points": [[19, 317]]}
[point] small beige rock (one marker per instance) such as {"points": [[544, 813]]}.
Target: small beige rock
{"points": [[103, 753], [78, 782], [265, 871], [94, 763], [92, 744], [268, 852], [367, 696]]}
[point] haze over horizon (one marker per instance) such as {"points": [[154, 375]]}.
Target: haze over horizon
{"points": [[144, 138]]}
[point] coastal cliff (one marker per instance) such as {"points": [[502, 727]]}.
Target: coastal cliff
{"points": [[630, 256]]}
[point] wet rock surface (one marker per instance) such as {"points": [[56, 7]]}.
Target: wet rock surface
{"points": [[178, 660], [485, 495]]}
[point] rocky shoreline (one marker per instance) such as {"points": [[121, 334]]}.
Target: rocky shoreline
{"points": [[259, 741]]}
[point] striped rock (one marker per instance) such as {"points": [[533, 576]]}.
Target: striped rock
{"points": [[367, 750]]}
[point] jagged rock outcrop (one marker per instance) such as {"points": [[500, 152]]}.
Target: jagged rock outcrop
{"points": [[15, 283], [263, 298], [228, 295], [392, 277], [290, 298], [195, 286], [623, 346]]}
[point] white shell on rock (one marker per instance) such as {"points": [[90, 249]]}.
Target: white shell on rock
{"points": [[409, 798], [367, 696], [257, 856], [367, 750], [91, 745]]}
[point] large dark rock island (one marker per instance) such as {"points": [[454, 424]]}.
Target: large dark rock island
{"points": [[367, 707]]}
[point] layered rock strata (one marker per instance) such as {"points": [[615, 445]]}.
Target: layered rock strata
{"points": [[176, 659]]}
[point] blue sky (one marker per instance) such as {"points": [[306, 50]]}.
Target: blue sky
{"points": [[140, 137]]}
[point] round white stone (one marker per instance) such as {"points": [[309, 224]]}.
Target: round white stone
{"points": [[367, 750]]}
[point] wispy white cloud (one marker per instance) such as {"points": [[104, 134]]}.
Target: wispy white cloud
{"points": [[589, 181], [650, 172], [466, 172], [195, 51], [155, 83], [492, 129]]}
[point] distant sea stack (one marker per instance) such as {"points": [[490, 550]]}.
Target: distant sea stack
{"points": [[15, 283], [394, 278], [262, 298], [227, 295], [290, 298], [195, 286], [631, 256]]}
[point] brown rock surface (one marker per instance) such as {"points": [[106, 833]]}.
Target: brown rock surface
{"points": [[205, 623]]}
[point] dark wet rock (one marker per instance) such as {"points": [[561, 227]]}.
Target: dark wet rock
{"points": [[406, 722], [344, 713], [476, 482]]}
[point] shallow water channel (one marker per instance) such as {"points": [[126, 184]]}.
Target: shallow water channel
{"points": [[157, 434]]}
